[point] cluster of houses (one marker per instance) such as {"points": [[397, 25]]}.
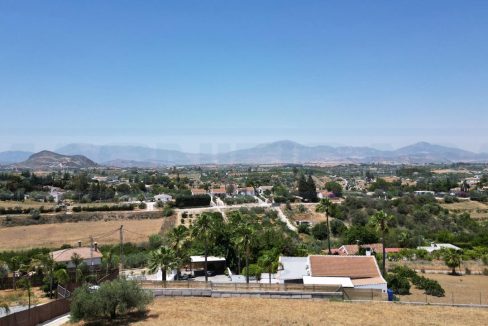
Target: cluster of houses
{"points": [[231, 190]]}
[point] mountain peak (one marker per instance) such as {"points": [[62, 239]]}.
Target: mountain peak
{"points": [[48, 160]]}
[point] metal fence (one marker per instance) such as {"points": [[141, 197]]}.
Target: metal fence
{"points": [[450, 298], [347, 293]]}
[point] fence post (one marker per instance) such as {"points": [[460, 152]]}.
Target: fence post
{"points": [[452, 297], [480, 298]]}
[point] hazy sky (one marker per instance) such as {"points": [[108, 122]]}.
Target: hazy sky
{"points": [[216, 75]]}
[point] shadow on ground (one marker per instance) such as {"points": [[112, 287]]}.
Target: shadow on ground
{"points": [[125, 319]]}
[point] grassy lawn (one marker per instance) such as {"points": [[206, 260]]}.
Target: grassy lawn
{"points": [[459, 289], [55, 235], [250, 311]]}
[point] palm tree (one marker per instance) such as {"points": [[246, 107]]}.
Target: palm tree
{"points": [[61, 276], [267, 261], [163, 258], [14, 267], [380, 221], [325, 206], [204, 229], [77, 261], [246, 234], [452, 260], [48, 264]]}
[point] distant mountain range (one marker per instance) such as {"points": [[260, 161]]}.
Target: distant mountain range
{"points": [[272, 153], [47, 160]]}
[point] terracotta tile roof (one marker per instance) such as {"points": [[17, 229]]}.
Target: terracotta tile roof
{"points": [[196, 191], [353, 267], [219, 190], [368, 281], [65, 255]]}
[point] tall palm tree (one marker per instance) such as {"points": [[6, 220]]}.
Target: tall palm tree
{"points": [[77, 261], [246, 234], [380, 220], [177, 237], [325, 206], [48, 265], [204, 229], [452, 260], [163, 258]]}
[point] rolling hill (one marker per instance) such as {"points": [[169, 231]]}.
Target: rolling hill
{"points": [[47, 160]]}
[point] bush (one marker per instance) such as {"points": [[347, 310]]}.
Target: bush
{"points": [[304, 228], [319, 231], [254, 270], [112, 298], [192, 201], [168, 211], [399, 284]]}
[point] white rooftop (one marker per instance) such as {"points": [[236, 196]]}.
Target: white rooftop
{"points": [[201, 259]]}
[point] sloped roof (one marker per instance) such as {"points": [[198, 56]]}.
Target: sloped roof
{"points": [[354, 267], [65, 255]]}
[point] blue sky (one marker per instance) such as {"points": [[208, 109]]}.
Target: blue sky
{"points": [[218, 75]]}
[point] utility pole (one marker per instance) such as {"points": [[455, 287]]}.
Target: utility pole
{"points": [[121, 263]]}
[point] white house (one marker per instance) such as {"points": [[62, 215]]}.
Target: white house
{"points": [[163, 198], [248, 191], [438, 246], [262, 189], [346, 271]]}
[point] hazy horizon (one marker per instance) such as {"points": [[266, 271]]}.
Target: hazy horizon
{"points": [[220, 147], [217, 75]]}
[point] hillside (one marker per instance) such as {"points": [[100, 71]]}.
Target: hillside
{"points": [[47, 160]]}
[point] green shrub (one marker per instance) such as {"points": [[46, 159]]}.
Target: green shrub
{"points": [[112, 298], [399, 284], [254, 270]]}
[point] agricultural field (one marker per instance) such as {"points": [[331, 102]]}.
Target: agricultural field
{"points": [[476, 210], [466, 289], [252, 311], [55, 235]]}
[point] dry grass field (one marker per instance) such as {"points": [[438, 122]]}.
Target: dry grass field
{"points": [[308, 215], [25, 204], [250, 311], [20, 297], [475, 209], [55, 235], [467, 289]]}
